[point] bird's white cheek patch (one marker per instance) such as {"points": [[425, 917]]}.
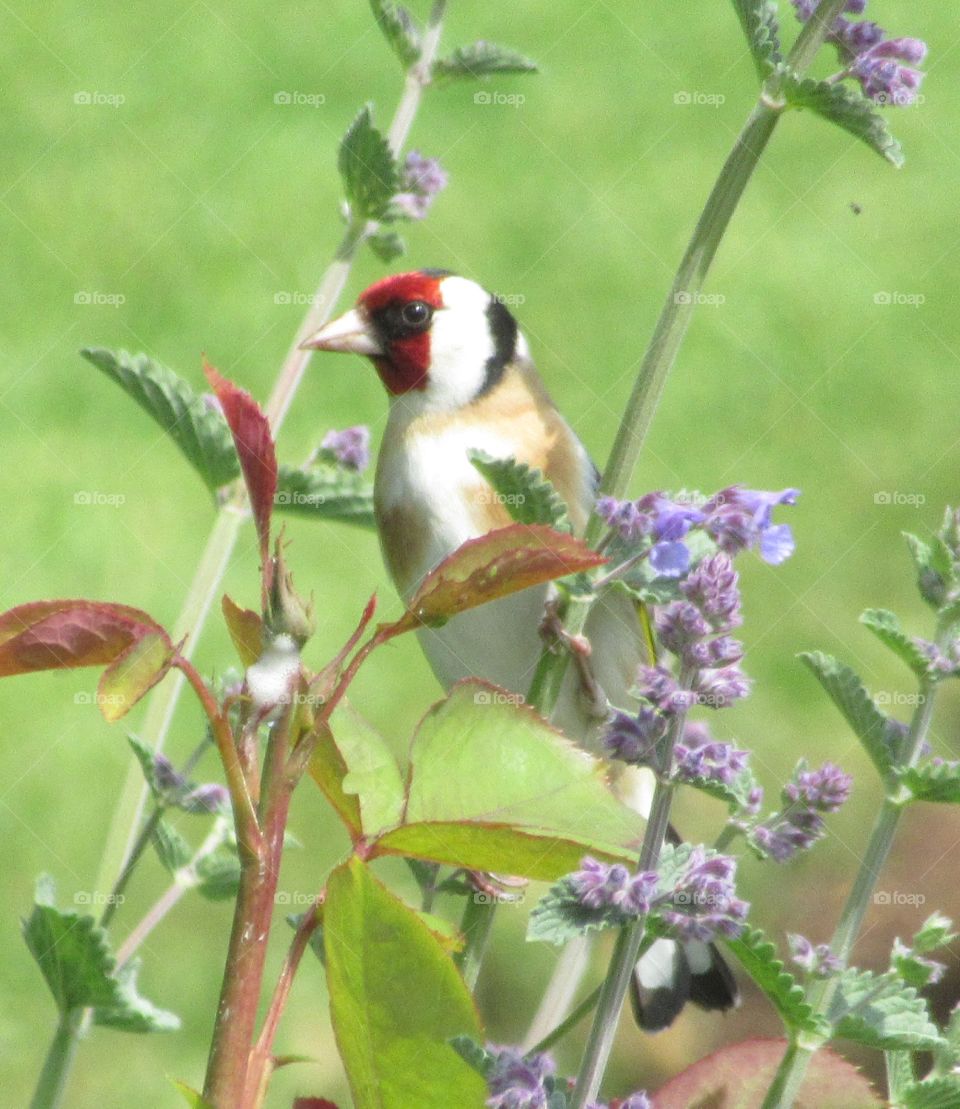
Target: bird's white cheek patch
{"points": [[460, 345]]}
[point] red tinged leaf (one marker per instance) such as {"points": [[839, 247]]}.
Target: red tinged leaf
{"points": [[63, 635], [497, 564], [738, 1076], [255, 449], [313, 1103]]}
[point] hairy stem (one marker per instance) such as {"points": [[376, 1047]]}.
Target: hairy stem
{"points": [[57, 1064]]}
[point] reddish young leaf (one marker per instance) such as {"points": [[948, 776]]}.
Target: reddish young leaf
{"points": [[313, 1103], [738, 1076], [245, 628], [63, 635], [133, 674], [495, 565], [255, 449]]}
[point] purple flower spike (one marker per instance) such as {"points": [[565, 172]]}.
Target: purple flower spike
{"points": [[423, 179], [350, 447], [823, 790], [625, 517], [599, 886], [817, 960], [712, 587], [658, 686], [632, 739], [717, 762]]}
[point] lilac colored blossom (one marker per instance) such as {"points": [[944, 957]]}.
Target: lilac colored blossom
{"points": [[931, 970], [719, 688], [824, 790], [421, 182], [625, 517], [882, 66], [723, 651], [516, 1081], [671, 519], [670, 559], [739, 519], [351, 447], [712, 587], [715, 762], [786, 834], [679, 624], [639, 1100], [633, 739], [704, 902], [168, 778], [602, 886], [658, 686], [817, 960]]}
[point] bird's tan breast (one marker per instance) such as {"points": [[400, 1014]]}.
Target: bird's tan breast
{"points": [[429, 498]]}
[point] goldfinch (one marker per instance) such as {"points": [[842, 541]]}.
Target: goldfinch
{"points": [[460, 377]]}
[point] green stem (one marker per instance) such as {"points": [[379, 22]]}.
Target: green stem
{"points": [[476, 926], [629, 941], [570, 1021], [793, 1067], [56, 1066]]}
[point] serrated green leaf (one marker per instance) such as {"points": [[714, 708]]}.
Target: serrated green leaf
{"points": [[758, 18], [525, 493], [847, 108], [933, 781], [396, 1000], [368, 168], [399, 29], [946, 1059], [387, 245], [736, 794], [880, 1010], [326, 492], [932, 1093], [849, 695], [886, 627], [172, 849], [198, 429], [936, 931], [934, 565], [74, 956], [480, 59], [758, 957], [144, 755], [218, 874]]}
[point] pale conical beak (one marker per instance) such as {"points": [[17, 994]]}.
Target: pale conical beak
{"points": [[349, 333]]}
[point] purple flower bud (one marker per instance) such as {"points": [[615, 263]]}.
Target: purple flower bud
{"points": [[351, 447], [679, 624], [639, 1100], [776, 544], [823, 790], [718, 762], [422, 180], [632, 739], [723, 651], [658, 686], [516, 1081], [819, 961], [719, 688], [671, 519], [670, 559], [704, 901], [209, 798], [169, 779], [904, 50], [712, 587], [601, 886], [625, 517]]}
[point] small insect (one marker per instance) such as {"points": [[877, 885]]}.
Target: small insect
{"points": [[855, 208]]}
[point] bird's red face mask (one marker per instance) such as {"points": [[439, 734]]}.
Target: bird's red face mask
{"points": [[391, 326]]}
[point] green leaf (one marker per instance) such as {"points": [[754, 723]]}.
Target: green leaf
{"points": [[936, 931], [847, 108], [191, 1096], [525, 493], [396, 1000], [326, 492], [473, 1053], [134, 674], [172, 849], [371, 772], [218, 874], [933, 781], [74, 957], [368, 168], [399, 29], [758, 957], [480, 59], [946, 1059], [736, 794], [932, 1093], [882, 1011], [200, 431], [886, 627], [846, 690], [758, 18], [934, 565], [387, 245], [493, 787], [144, 755]]}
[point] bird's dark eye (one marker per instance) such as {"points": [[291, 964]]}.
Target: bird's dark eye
{"points": [[416, 314]]}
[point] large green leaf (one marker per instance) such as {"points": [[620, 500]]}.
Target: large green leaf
{"points": [[848, 109], [74, 957], [492, 786], [198, 429], [849, 695], [396, 1000], [368, 168], [326, 492], [886, 627], [371, 771]]}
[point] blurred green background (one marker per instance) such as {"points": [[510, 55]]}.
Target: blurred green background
{"points": [[208, 211]]}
